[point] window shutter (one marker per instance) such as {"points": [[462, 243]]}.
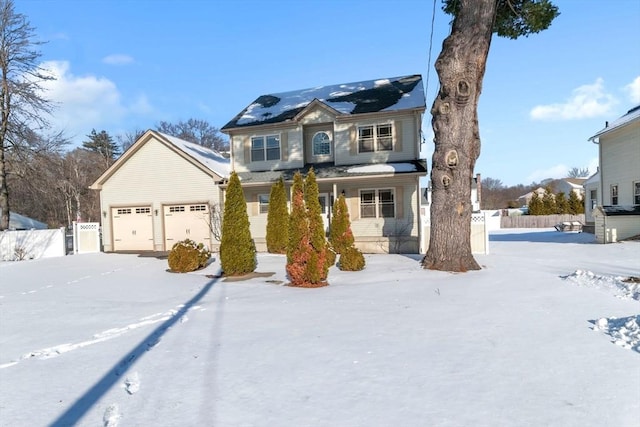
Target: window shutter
{"points": [[284, 146], [399, 199], [353, 140], [246, 142], [397, 135], [354, 205]]}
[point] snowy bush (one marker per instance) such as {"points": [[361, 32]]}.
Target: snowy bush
{"points": [[187, 256]]}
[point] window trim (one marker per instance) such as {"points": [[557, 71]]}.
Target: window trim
{"points": [[636, 192], [614, 194], [376, 203], [313, 143], [376, 139], [265, 149]]}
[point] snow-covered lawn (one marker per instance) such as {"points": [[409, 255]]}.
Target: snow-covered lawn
{"points": [[542, 336]]}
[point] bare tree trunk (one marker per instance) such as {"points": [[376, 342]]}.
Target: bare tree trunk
{"points": [[460, 68], [4, 193]]}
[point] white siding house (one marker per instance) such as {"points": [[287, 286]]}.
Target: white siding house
{"points": [[160, 191], [362, 140], [617, 215]]}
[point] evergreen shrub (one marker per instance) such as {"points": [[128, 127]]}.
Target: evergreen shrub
{"points": [[187, 256], [351, 259]]}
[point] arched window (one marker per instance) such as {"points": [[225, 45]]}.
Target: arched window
{"points": [[321, 144]]}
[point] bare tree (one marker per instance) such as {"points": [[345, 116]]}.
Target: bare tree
{"points": [[578, 172], [460, 67], [22, 106], [127, 139], [196, 131]]}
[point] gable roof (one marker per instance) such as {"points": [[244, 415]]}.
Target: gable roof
{"points": [[632, 115], [205, 158], [370, 96]]}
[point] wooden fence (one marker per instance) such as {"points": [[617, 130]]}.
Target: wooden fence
{"points": [[537, 221]]}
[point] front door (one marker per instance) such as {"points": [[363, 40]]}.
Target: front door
{"points": [[325, 206]]}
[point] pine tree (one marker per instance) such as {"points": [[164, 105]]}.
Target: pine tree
{"points": [[319, 263], [576, 205], [103, 144], [277, 219], [548, 202], [562, 205], [340, 234], [299, 247], [237, 250], [535, 205]]}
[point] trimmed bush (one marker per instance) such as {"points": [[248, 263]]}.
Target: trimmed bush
{"points": [[317, 236], [187, 256], [277, 220], [237, 250], [351, 259], [340, 234]]}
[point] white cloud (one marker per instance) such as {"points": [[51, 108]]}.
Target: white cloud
{"points": [[87, 102], [117, 59], [555, 172], [586, 101], [633, 90]]}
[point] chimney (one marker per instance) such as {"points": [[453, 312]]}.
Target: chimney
{"points": [[606, 124]]}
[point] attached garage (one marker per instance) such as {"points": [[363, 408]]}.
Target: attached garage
{"points": [[132, 228], [187, 222], [160, 191]]}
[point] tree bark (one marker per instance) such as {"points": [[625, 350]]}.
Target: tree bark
{"points": [[460, 67]]}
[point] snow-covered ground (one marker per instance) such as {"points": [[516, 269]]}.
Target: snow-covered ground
{"points": [[546, 334]]}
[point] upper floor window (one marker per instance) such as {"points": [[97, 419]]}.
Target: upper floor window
{"points": [[265, 148], [263, 201], [614, 194], [377, 204], [375, 138], [321, 144], [593, 196], [636, 193]]}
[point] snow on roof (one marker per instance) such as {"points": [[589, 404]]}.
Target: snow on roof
{"points": [[385, 167], [212, 159], [632, 114], [391, 94], [21, 222]]}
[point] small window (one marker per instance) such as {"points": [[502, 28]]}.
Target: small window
{"points": [[593, 196], [273, 147], [198, 208], [377, 204], [321, 144], [614, 194], [375, 138], [143, 210], [257, 149], [124, 211], [263, 200], [176, 208], [636, 193]]}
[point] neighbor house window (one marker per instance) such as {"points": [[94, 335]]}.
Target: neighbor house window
{"points": [[593, 196], [377, 204], [375, 138], [263, 200], [636, 193], [614, 194], [265, 148], [321, 144]]}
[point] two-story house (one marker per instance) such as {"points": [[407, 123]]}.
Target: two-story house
{"points": [[617, 198], [362, 140]]}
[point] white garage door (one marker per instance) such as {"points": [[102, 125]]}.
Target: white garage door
{"points": [[187, 222], [132, 228]]}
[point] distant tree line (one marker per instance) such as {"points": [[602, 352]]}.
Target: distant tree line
{"points": [[555, 203]]}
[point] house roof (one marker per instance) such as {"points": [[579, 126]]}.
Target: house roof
{"points": [[371, 96], [592, 179], [21, 222], [209, 160], [632, 115], [619, 210], [329, 171]]}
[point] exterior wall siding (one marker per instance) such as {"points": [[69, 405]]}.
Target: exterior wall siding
{"points": [[155, 176], [611, 229], [619, 160]]}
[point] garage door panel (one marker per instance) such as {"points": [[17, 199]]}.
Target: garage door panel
{"points": [[187, 222], [132, 228]]}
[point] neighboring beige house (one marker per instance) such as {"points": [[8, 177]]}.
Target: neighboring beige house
{"points": [[160, 191], [526, 198], [362, 140], [617, 215], [476, 194]]}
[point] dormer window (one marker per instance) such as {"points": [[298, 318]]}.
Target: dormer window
{"points": [[265, 148], [375, 138], [321, 144]]}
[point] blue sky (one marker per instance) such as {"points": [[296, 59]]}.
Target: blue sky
{"points": [[126, 65]]}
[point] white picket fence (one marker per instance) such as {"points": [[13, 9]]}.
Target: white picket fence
{"points": [[16, 245], [479, 233]]}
